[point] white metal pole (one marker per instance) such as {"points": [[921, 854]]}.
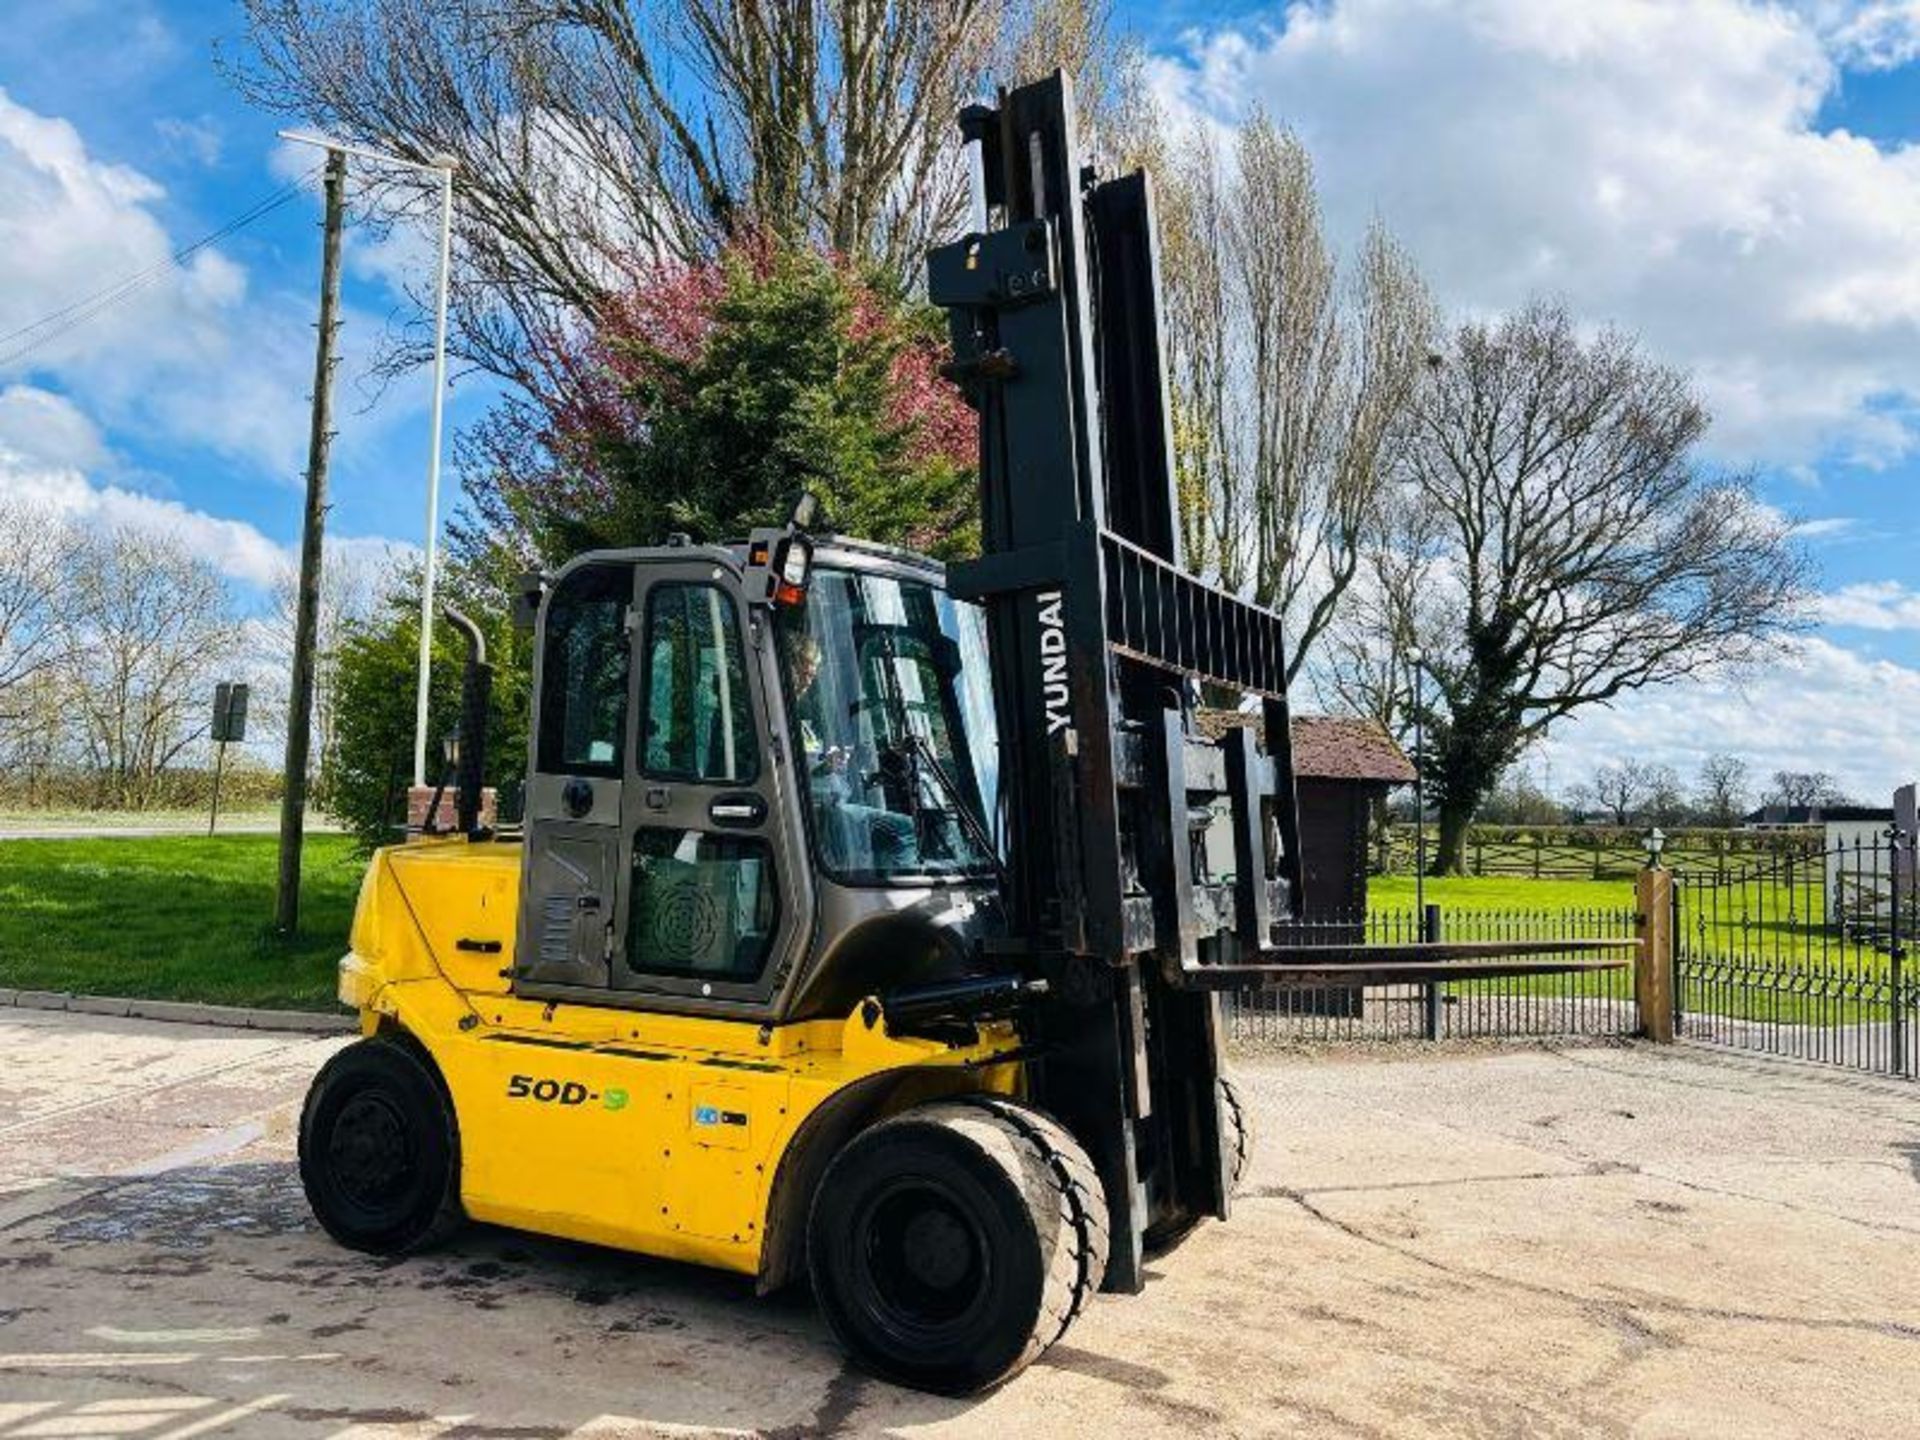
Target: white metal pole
{"points": [[433, 480]]}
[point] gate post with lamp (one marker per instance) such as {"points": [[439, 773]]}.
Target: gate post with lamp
{"points": [[1653, 964]]}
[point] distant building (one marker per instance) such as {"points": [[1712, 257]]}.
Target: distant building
{"points": [[1853, 850], [1842, 827]]}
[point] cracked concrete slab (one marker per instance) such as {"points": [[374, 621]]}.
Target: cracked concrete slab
{"points": [[1595, 1241]]}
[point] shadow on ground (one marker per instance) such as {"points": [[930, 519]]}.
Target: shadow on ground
{"points": [[203, 1269]]}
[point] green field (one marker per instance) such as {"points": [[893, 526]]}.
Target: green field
{"points": [[174, 918], [1500, 892], [1760, 953]]}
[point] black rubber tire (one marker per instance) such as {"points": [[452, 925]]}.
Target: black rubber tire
{"points": [[380, 1150], [952, 1244], [1238, 1141], [1239, 1136]]}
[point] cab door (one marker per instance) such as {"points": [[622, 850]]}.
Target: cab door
{"points": [[709, 911], [576, 780]]}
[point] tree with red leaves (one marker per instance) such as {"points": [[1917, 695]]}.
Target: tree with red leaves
{"points": [[707, 397]]}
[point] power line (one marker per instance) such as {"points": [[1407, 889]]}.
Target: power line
{"points": [[160, 267], [71, 316]]}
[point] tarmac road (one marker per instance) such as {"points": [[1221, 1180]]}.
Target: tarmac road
{"points": [[1586, 1242]]}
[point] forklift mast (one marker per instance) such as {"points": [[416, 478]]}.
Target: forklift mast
{"points": [[1100, 639]]}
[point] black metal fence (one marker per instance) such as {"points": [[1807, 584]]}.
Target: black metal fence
{"points": [[1804, 956], [1594, 1002]]}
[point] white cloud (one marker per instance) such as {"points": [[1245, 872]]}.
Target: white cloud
{"points": [[1824, 708], [197, 140], [1654, 163], [1872, 605], [70, 225], [1874, 35], [1827, 527], [40, 429], [1816, 528], [47, 448], [197, 354]]}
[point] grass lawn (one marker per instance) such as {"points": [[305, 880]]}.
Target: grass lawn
{"points": [[173, 918], [1759, 951], [1500, 892]]}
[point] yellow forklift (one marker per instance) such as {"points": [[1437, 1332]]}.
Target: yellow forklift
{"points": [[861, 926]]}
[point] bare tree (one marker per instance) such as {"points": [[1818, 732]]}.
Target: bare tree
{"points": [[1520, 799], [1721, 791], [353, 585], [592, 132], [1365, 665], [1634, 792], [1804, 789], [1619, 791], [35, 548], [147, 625], [1289, 380], [1193, 208], [1666, 801], [1587, 555]]}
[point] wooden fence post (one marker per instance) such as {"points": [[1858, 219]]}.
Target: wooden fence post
{"points": [[1653, 963]]}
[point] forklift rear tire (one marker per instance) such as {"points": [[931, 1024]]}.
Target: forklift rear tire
{"points": [[380, 1150], [952, 1244]]}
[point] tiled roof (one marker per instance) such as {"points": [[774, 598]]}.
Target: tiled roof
{"points": [[1329, 747]]}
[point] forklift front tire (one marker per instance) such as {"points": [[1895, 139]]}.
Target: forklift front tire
{"points": [[1237, 1138], [380, 1150], [952, 1244]]}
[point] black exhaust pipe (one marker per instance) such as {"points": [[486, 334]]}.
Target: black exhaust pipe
{"points": [[476, 691]]}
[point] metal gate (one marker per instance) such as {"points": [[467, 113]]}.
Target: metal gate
{"points": [[1804, 954]]}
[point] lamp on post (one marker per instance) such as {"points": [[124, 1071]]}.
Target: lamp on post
{"points": [[1653, 842], [1416, 657]]}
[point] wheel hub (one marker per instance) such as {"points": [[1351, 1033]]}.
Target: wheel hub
{"points": [[938, 1251], [925, 1261], [369, 1152]]}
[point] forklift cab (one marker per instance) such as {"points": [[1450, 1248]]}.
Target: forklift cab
{"points": [[734, 777]]}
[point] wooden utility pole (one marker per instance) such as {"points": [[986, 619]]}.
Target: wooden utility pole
{"points": [[293, 800]]}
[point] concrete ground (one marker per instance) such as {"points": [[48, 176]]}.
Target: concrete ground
{"points": [[1583, 1242]]}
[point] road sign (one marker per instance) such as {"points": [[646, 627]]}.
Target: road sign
{"points": [[229, 713]]}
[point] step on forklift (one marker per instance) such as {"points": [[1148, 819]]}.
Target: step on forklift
{"points": [[868, 921]]}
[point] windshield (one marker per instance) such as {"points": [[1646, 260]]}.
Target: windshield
{"points": [[888, 683]]}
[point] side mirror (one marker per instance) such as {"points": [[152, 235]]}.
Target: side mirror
{"points": [[526, 601], [780, 558], [793, 565]]}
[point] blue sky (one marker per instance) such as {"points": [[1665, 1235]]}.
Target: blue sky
{"points": [[152, 100], [1738, 183]]}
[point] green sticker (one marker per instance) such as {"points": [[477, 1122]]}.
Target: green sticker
{"points": [[614, 1099]]}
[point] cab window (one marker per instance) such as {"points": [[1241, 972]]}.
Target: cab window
{"points": [[583, 682], [699, 725], [704, 905]]}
